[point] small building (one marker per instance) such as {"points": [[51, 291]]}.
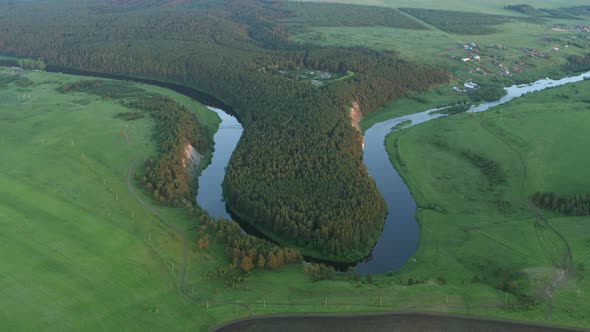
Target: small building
{"points": [[470, 85], [469, 46], [316, 82], [476, 57], [325, 76], [466, 59]]}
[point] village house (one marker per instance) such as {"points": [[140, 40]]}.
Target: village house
{"points": [[470, 85]]}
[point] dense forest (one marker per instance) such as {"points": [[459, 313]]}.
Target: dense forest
{"points": [[297, 173], [571, 205], [541, 12], [466, 23]]}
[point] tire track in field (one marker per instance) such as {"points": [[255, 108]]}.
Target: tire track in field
{"points": [[566, 264]]}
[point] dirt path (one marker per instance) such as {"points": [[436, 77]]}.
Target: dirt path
{"points": [[567, 265], [567, 262]]}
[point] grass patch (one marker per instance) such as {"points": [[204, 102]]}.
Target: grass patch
{"points": [[323, 14]]}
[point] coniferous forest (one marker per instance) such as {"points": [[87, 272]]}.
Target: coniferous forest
{"points": [[571, 205], [297, 173]]}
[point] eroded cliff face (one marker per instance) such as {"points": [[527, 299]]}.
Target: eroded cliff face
{"points": [[191, 159], [355, 118]]}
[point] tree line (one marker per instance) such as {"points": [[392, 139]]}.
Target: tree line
{"points": [[571, 205], [246, 252]]}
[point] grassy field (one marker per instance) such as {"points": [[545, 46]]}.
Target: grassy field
{"points": [[488, 7], [81, 251], [484, 227], [78, 250]]}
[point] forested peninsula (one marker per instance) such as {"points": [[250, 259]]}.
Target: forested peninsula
{"points": [[297, 173]]}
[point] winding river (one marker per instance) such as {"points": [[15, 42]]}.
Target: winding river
{"points": [[399, 238]]}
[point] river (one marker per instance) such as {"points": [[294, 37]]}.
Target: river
{"points": [[209, 194], [400, 234]]}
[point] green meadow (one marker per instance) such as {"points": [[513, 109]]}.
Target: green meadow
{"points": [[476, 222], [78, 250], [83, 247], [488, 7]]}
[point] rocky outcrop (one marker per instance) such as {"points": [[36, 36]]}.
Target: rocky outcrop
{"points": [[191, 159], [355, 118]]}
